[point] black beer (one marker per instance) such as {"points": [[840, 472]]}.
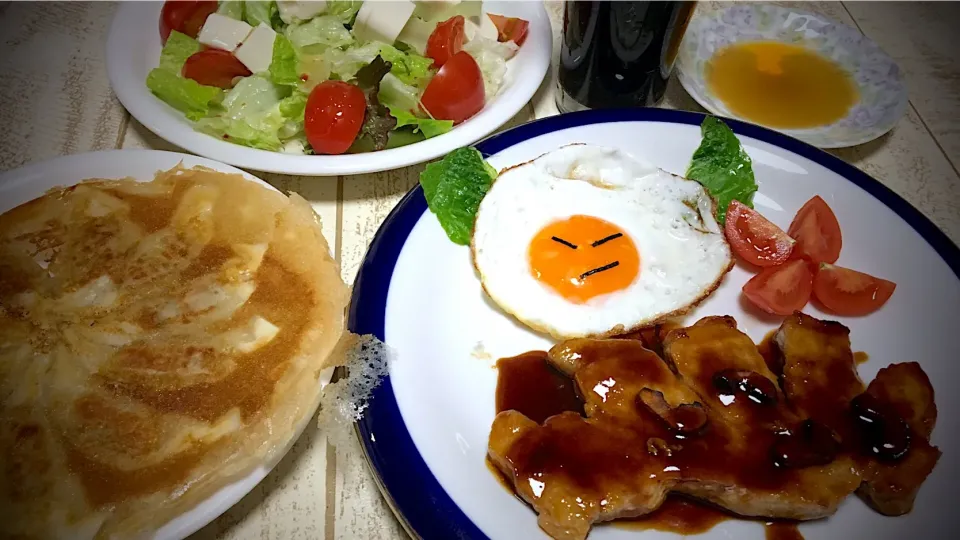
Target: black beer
{"points": [[618, 54]]}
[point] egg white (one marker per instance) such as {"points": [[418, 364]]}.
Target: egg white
{"points": [[683, 252]]}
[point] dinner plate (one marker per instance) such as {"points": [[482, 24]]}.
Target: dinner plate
{"points": [[425, 432], [29, 182], [883, 94], [133, 49]]}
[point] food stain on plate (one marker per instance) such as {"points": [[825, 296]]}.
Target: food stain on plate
{"points": [[781, 85]]}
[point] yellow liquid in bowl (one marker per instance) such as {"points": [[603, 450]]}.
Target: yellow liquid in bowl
{"points": [[780, 85]]}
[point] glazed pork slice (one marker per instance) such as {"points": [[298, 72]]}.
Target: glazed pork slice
{"points": [[820, 380], [819, 374], [891, 486], [649, 431], [789, 467]]}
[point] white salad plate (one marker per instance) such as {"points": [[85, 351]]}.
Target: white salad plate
{"points": [[426, 429], [133, 49], [31, 181], [883, 93]]}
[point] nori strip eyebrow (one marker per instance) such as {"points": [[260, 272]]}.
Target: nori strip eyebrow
{"points": [[564, 242], [588, 273], [607, 239]]}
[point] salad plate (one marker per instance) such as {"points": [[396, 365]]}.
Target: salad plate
{"points": [[426, 430], [134, 50], [26, 183]]}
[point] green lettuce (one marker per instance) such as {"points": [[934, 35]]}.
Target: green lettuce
{"points": [[231, 8], [293, 106], [344, 10], [454, 188], [319, 34], [428, 126], [344, 64], [722, 166], [283, 65], [256, 12], [410, 68], [252, 115], [185, 95], [175, 52], [398, 96]]}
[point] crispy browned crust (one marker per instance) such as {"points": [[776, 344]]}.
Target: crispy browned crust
{"points": [[130, 443]]}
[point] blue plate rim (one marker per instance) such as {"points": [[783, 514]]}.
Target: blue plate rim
{"points": [[413, 493]]}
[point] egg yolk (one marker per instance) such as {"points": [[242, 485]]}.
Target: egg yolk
{"points": [[582, 257]]}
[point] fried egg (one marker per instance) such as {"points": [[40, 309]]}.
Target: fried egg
{"points": [[588, 241]]}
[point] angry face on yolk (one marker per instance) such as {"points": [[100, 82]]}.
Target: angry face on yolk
{"points": [[582, 257]]}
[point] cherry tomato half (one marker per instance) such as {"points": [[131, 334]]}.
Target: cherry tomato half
{"points": [[446, 40], [850, 293], [510, 28], [456, 91], [754, 238], [214, 67], [783, 289], [817, 232], [334, 116], [184, 16]]}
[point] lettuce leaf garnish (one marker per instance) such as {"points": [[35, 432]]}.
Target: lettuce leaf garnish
{"points": [[722, 166], [283, 64], [258, 11], [175, 52], [428, 126], [410, 67], [454, 188]]}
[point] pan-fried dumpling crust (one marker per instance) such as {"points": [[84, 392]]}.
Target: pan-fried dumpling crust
{"points": [[157, 341]]}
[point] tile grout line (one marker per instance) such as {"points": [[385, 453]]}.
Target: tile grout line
{"points": [[330, 512], [935, 140], [122, 131], [912, 106]]}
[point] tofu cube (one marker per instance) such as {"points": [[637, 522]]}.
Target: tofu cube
{"points": [[382, 21], [485, 29], [416, 33], [294, 11], [222, 32], [256, 52]]}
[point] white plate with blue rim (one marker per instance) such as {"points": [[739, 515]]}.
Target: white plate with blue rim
{"points": [[31, 181], [426, 429], [133, 49], [880, 85]]}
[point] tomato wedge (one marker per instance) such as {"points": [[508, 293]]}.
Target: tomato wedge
{"points": [[510, 28], [456, 91], [214, 67], [333, 116], [754, 238], [850, 293], [184, 16], [817, 232], [783, 289], [446, 40]]}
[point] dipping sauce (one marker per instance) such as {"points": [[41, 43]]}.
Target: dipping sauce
{"points": [[781, 85]]}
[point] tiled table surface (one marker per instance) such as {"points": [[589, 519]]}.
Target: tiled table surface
{"points": [[55, 99]]}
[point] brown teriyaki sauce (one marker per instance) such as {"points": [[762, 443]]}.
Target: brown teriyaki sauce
{"points": [[530, 385]]}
